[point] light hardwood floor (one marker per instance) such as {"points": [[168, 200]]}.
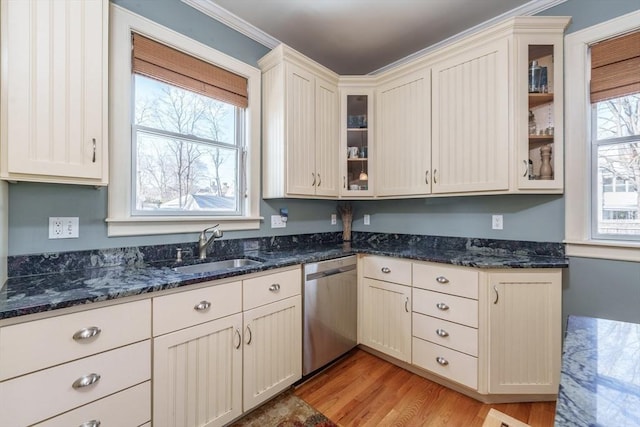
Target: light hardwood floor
{"points": [[363, 390]]}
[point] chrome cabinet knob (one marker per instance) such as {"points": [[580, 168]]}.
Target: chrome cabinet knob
{"points": [[442, 306], [441, 279], [202, 306], [442, 361], [275, 287], [385, 270], [442, 333]]}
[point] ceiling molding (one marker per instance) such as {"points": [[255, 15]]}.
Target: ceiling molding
{"points": [[208, 7], [528, 9], [216, 12]]}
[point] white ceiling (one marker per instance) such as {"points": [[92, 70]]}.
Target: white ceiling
{"points": [[362, 36]]}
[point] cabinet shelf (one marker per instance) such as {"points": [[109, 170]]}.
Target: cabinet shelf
{"points": [[358, 159], [536, 99], [357, 129]]}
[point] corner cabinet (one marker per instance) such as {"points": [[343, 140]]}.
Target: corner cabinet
{"points": [[300, 126], [54, 91]]}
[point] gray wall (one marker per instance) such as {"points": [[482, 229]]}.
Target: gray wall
{"points": [[602, 288]]}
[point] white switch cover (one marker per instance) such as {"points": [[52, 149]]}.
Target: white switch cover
{"points": [[277, 222], [496, 222], [334, 220], [367, 219], [64, 227]]}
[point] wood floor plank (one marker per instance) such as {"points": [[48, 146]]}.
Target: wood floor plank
{"points": [[362, 390]]}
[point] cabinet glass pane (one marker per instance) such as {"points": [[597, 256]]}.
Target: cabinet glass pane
{"points": [[357, 154], [541, 113]]}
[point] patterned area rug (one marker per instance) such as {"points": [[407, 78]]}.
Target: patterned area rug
{"points": [[286, 410]]}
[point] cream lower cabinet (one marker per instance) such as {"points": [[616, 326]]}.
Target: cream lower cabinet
{"points": [[54, 91], [524, 332], [78, 368], [385, 306]]}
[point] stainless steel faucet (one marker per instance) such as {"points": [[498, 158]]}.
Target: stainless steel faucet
{"points": [[203, 242]]}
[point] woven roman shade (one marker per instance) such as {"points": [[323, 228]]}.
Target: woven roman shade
{"points": [[161, 62], [615, 67]]}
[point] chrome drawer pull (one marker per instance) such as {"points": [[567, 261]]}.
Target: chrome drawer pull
{"points": [[275, 287], [86, 333], [250, 335], [202, 306], [442, 333], [92, 423], [85, 381], [239, 338], [442, 361], [385, 270], [442, 306], [406, 305], [442, 279]]}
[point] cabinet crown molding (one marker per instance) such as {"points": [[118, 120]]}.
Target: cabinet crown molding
{"points": [[285, 53]]}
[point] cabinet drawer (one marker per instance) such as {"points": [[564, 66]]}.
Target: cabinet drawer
{"points": [[456, 366], [184, 309], [388, 269], [40, 395], [31, 346], [270, 288], [447, 334], [450, 280], [130, 407], [447, 307]]}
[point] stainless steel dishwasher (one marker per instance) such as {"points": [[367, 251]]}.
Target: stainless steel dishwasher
{"points": [[330, 311]]}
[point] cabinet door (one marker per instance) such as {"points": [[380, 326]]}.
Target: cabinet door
{"points": [[403, 147], [300, 131], [471, 120], [524, 332], [56, 81], [197, 375], [272, 349], [327, 138], [386, 318]]}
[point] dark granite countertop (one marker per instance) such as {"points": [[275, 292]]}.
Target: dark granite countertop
{"points": [[76, 283], [600, 380]]}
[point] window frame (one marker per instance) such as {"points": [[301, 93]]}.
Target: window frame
{"points": [[578, 170], [121, 220]]}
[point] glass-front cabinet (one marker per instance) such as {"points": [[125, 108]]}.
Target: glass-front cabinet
{"points": [[540, 156], [356, 149]]}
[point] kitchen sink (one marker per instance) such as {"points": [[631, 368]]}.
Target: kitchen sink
{"points": [[212, 266]]}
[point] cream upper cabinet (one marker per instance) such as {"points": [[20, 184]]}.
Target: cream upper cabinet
{"points": [[403, 135], [54, 91], [524, 332], [470, 120], [356, 129], [538, 105], [300, 126]]}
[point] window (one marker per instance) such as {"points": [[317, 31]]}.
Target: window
{"points": [[602, 210], [184, 125]]}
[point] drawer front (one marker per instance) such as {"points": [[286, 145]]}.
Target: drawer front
{"points": [[31, 346], [453, 365], [44, 394], [446, 307], [130, 407], [388, 269], [450, 280], [184, 309], [447, 334], [271, 288]]}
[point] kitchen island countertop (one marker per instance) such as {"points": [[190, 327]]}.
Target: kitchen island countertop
{"points": [[37, 293], [600, 379]]}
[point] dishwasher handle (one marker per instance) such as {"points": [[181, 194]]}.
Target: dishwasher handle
{"points": [[330, 272]]}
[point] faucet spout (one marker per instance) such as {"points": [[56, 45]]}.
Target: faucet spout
{"points": [[203, 242]]}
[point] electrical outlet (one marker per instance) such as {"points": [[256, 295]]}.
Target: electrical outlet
{"points": [[64, 227], [496, 222], [367, 219], [334, 219], [277, 222]]}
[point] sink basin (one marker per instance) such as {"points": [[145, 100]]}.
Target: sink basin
{"points": [[216, 265]]}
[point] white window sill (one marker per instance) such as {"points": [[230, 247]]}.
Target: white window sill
{"points": [[139, 226], [615, 250]]}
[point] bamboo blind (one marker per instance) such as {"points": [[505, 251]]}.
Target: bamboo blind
{"points": [[615, 67], [161, 62]]}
